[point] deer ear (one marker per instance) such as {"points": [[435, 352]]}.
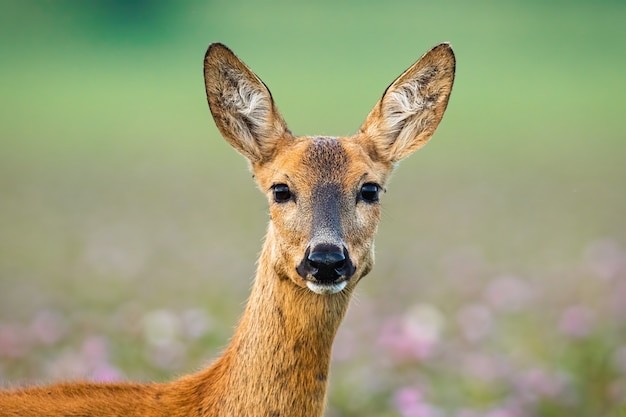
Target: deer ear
{"points": [[242, 106], [409, 111]]}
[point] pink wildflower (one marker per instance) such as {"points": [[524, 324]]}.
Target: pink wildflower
{"points": [[409, 402], [576, 321]]}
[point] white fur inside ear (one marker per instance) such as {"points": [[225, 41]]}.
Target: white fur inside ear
{"points": [[404, 102], [247, 105], [250, 103], [408, 110]]}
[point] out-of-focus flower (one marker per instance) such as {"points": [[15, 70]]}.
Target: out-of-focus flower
{"points": [[90, 362], [577, 321], [195, 323], [410, 403], [69, 365], [105, 372], [476, 322], [407, 396], [94, 350], [501, 412], [48, 327], [393, 337], [508, 293], [95, 355], [161, 326], [14, 341], [506, 408], [162, 331], [168, 355], [484, 367], [537, 383], [619, 360], [468, 413], [416, 335], [605, 258], [617, 392], [619, 297], [425, 321]]}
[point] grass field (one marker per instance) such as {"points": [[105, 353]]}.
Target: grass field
{"points": [[129, 229]]}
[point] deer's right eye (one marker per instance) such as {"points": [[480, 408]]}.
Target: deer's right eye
{"points": [[282, 193]]}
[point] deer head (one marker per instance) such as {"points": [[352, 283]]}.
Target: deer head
{"points": [[324, 192]]}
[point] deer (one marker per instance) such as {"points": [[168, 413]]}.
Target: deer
{"points": [[324, 208]]}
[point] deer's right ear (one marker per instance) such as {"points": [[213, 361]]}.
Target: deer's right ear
{"points": [[241, 105]]}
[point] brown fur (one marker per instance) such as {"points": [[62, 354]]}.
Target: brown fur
{"points": [[277, 363]]}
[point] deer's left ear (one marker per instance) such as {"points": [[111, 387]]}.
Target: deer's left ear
{"points": [[407, 115], [242, 106]]}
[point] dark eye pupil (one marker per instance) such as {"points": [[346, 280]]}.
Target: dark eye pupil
{"points": [[281, 193], [369, 192]]}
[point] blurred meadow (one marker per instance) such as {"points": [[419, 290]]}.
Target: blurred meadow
{"points": [[129, 229]]}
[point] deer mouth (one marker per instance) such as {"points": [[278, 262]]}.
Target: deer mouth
{"points": [[324, 288]]}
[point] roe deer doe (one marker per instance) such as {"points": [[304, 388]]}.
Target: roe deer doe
{"points": [[323, 195]]}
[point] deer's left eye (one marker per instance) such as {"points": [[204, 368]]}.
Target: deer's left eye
{"points": [[369, 192]]}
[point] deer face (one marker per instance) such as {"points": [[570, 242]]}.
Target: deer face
{"points": [[324, 192]]}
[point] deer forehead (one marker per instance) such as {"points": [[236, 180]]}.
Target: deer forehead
{"points": [[314, 162]]}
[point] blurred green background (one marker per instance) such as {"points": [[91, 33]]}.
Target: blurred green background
{"points": [[122, 209]]}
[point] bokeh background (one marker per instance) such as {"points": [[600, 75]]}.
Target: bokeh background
{"points": [[129, 229]]}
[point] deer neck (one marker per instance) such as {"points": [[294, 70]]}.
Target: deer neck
{"points": [[280, 354]]}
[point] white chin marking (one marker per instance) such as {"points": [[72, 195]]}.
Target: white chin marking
{"points": [[318, 288]]}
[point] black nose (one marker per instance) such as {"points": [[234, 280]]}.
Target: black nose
{"points": [[327, 263], [322, 261]]}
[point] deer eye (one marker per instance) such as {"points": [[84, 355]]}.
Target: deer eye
{"points": [[281, 193], [369, 192]]}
